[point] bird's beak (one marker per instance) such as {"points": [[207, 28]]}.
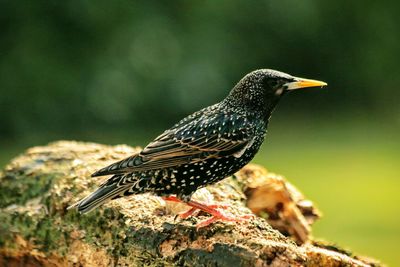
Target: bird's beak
{"points": [[299, 83]]}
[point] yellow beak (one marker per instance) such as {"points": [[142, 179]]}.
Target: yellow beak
{"points": [[303, 83]]}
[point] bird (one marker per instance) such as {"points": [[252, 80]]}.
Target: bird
{"points": [[202, 148]]}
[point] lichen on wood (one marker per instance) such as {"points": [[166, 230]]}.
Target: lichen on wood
{"points": [[142, 230]]}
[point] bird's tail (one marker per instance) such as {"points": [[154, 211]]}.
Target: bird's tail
{"points": [[113, 188]]}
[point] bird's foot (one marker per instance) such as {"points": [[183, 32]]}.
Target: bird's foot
{"points": [[212, 209], [193, 211]]}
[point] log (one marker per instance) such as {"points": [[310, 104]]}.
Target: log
{"points": [[142, 230]]}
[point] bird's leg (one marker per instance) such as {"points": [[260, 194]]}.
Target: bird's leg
{"points": [[185, 214], [210, 209], [188, 213], [191, 211], [213, 206]]}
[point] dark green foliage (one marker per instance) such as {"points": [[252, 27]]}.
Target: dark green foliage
{"points": [[80, 66]]}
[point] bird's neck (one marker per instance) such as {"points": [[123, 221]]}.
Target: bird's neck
{"points": [[270, 103], [260, 105]]}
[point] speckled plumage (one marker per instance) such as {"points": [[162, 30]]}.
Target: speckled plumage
{"points": [[202, 149]]}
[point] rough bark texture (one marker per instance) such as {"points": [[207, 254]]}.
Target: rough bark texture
{"points": [[142, 230]]}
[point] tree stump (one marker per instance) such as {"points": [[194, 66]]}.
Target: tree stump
{"points": [[143, 230]]}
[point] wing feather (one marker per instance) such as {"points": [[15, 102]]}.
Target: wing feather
{"points": [[194, 140]]}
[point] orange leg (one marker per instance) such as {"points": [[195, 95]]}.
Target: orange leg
{"points": [[210, 209], [193, 210]]}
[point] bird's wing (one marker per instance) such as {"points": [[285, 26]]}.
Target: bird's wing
{"points": [[192, 140]]}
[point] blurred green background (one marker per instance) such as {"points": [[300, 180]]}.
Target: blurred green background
{"points": [[122, 71]]}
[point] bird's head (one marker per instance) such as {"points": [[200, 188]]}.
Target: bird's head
{"points": [[260, 90]]}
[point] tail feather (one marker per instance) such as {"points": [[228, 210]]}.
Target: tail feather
{"points": [[103, 194], [118, 167]]}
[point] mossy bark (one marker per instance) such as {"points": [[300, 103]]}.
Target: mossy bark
{"points": [[142, 230]]}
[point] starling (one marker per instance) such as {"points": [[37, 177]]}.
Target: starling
{"points": [[203, 148]]}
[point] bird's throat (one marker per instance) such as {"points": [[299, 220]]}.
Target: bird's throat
{"points": [[269, 104]]}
